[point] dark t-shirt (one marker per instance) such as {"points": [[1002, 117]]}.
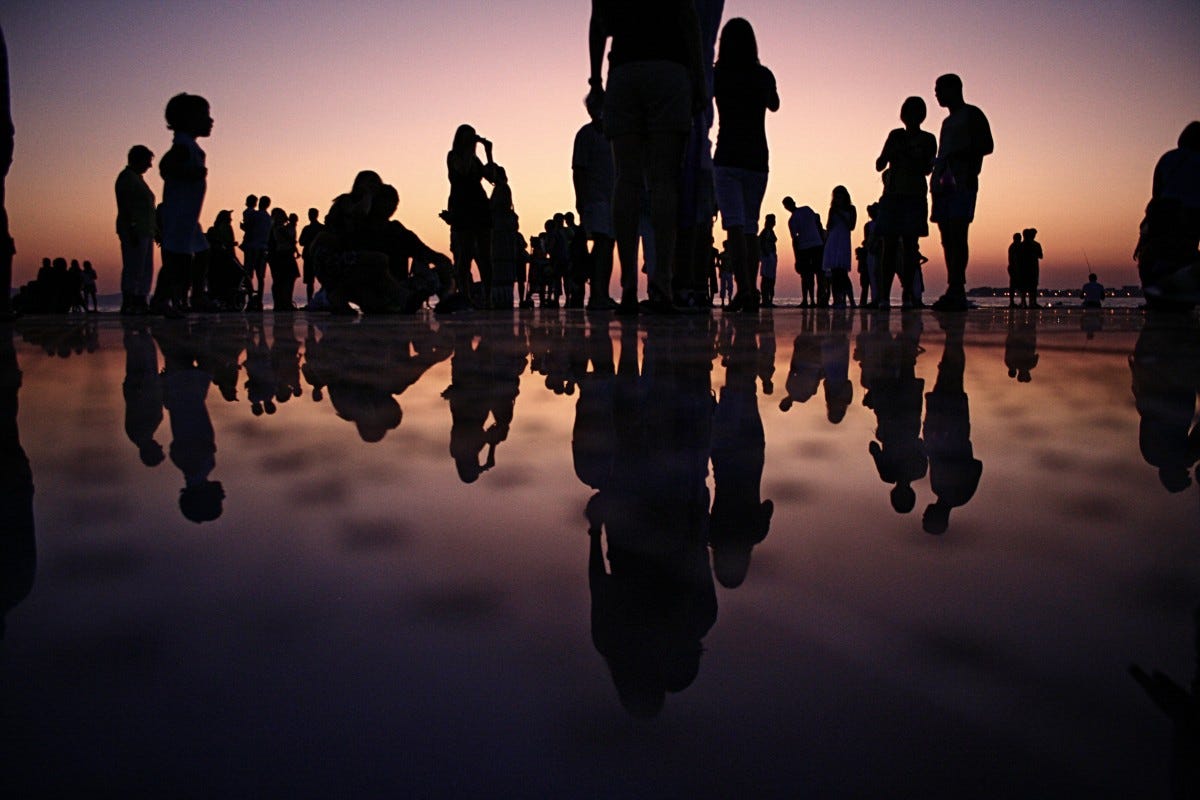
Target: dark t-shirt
{"points": [[644, 30], [743, 96], [910, 158]]}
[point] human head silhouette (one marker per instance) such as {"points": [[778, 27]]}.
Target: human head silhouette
{"points": [[789, 203], [313, 214], [202, 502], [1092, 277], [594, 103], [738, 47], [936, 518], [189, 114], [903, 498], [465, 139], [840, 196], [948, 89], [1189, 139], [264, 203], [251, 200], [912, 111], [140, 158]]}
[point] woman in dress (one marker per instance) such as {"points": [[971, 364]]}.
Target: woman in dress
{"points": [[838, 254]]}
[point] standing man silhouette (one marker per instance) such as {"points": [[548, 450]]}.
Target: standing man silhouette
{"points": [[7, 249], [965, 139]]}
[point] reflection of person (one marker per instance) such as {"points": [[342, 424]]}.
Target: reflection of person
{"points": [[143, 393], [17, 544], [1020, 346], [655, 85], [193, 448], [740, 518], [966, 137], [896, 395], [485, 381], [954, 471], [135, 229], [653, 605], [1182, 706], [1168, 251], [1166, 379]]}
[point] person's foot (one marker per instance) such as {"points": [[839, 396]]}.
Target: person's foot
{"points": [[452, 304], [949, 303], [628, 307], [601, 304]]}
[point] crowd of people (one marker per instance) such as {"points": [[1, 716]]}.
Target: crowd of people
{"points": [[648, 182]]}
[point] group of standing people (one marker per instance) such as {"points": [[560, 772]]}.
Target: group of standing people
{"points": [[1024, 257]]}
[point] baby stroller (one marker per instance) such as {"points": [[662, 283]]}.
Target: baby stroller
{"points": [[228, 281]]}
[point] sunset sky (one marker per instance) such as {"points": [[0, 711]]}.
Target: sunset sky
{"points": [[1083, 98]]}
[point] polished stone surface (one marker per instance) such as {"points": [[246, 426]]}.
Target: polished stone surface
{"points": [[558, 555]]}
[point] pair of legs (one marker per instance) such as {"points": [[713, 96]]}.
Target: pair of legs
{"points": [[602, 265], [954, 246], [651, 161], [469, 245], [137, 272]]}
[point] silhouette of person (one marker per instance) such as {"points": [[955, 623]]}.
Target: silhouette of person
{"points": [[90, 301], [837, 257], [1166, 380], [18, 547], [225, 272], [1182, 706], [282, 260], [1168, 250], [804, 227], [143, 392], [1014, 272], [655, 601], [1092, 292], [744, 90], [768, 244], [468, 210], [907, 158], [1028, 272], [185, 179], [256, 245], [740, 518], [508, 245], [1020, 346], [74, 289], [135, 230], [966, 137], [655, 86], [7, 247], [365, 257], [592, 173], [307, 236], [186, 378], [954, 471]]}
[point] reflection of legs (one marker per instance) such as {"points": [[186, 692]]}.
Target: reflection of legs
{"points": [[483, 259], [890, 263], [172, 279]]}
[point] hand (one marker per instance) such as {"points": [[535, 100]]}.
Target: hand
{"points": [[595, 94]]}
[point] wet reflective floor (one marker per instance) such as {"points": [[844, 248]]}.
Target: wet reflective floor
{"points": [[809, 554]]}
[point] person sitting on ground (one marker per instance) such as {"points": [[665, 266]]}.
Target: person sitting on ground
{"points": [[1092, 292]]}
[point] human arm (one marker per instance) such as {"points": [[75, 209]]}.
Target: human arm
{"points": [[772, 90], [597, 39]]}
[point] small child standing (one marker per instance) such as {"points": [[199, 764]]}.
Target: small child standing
{"points": [[185, 180]]}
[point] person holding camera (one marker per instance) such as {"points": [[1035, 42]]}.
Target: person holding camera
{"points": [[468, 211]]}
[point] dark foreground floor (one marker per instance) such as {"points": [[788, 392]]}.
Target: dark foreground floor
{"points": [[806, 554]]}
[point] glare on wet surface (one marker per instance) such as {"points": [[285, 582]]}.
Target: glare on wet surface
{"points": [[804, 554]]}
